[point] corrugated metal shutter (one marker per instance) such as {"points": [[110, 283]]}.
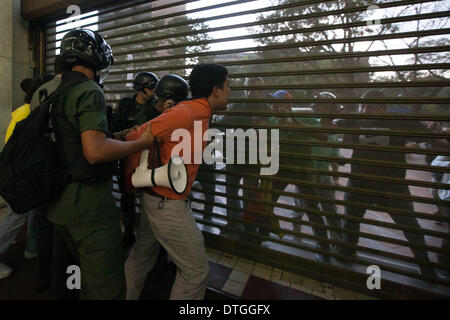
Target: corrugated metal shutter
{"points": [[381, 200]]}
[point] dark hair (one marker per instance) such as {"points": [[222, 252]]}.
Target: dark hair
{"points": [[204, 77], [26, 84], [35, 84]]}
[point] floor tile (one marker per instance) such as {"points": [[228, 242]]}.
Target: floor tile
{"points": [[261, 272], [323, 295], [282, 282], [299, 287], [264, 266], [300, 295], [291, 277], [260, 289], [344, 294], [276, 277], [239, 276], [228, 261], [233, 287], [328, 289], [245, 266], [312, 284], [213, 256], [218, 275]]}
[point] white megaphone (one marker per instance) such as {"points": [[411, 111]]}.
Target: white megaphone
{"points": [[173, 175]]}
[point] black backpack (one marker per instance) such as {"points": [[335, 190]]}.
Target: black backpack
{"points": [[31, 173]]}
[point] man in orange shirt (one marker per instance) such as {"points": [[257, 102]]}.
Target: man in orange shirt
{"points": [[167, 218]]}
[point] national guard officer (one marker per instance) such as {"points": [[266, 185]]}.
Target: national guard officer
{"points": [[139, 108], [85, 215]]}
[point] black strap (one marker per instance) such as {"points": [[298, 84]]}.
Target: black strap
{"points": [[64, 87], [43, 95], [158, 156], [153, 177]]}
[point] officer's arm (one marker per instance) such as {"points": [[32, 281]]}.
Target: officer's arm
{"points": [[98, 148]]}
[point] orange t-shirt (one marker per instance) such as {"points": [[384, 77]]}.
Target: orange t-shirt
{"points": [[181, 116]]}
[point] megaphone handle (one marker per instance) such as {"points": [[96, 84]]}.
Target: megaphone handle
{"points": [[143, 162]]}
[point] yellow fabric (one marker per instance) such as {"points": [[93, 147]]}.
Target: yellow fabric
{"points": [[18, 115]]}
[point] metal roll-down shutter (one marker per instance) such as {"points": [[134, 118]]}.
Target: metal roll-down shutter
{"points": [[361, 182]]}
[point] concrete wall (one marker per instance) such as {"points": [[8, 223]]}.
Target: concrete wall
{"points": [[22, 55], [15, 60], [6, 65]]}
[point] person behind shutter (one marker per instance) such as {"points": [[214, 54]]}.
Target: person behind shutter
{"points": [[382, 171]]}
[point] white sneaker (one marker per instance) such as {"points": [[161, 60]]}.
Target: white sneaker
{"points": [[29, 255], [5, 271]]}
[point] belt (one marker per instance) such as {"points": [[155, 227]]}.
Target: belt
{"points": [[153, 193], [163, 199]]}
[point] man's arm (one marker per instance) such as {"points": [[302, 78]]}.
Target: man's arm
{"points": [[98, 148]]}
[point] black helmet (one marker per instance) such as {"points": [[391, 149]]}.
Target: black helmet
{"points": [[87, 48], [373, 94], [145, 80], [172, 87], [325, 95], [370, 94]]}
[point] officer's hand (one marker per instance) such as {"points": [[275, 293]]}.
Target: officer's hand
{"points": [[147, 136]]}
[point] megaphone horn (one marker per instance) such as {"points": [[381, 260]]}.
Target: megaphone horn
{"points": [[173, 175]]}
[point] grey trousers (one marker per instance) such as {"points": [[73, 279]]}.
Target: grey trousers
{"points": [[11, 226], [169, 223]]}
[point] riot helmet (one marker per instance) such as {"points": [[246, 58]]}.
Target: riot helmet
{"points": [[145, 80], [87, 48], [172, 87], [283, 95], [374, 107], [325, 95]]}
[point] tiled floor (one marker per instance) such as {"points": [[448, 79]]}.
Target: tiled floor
{"points": [[249, 280]]}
